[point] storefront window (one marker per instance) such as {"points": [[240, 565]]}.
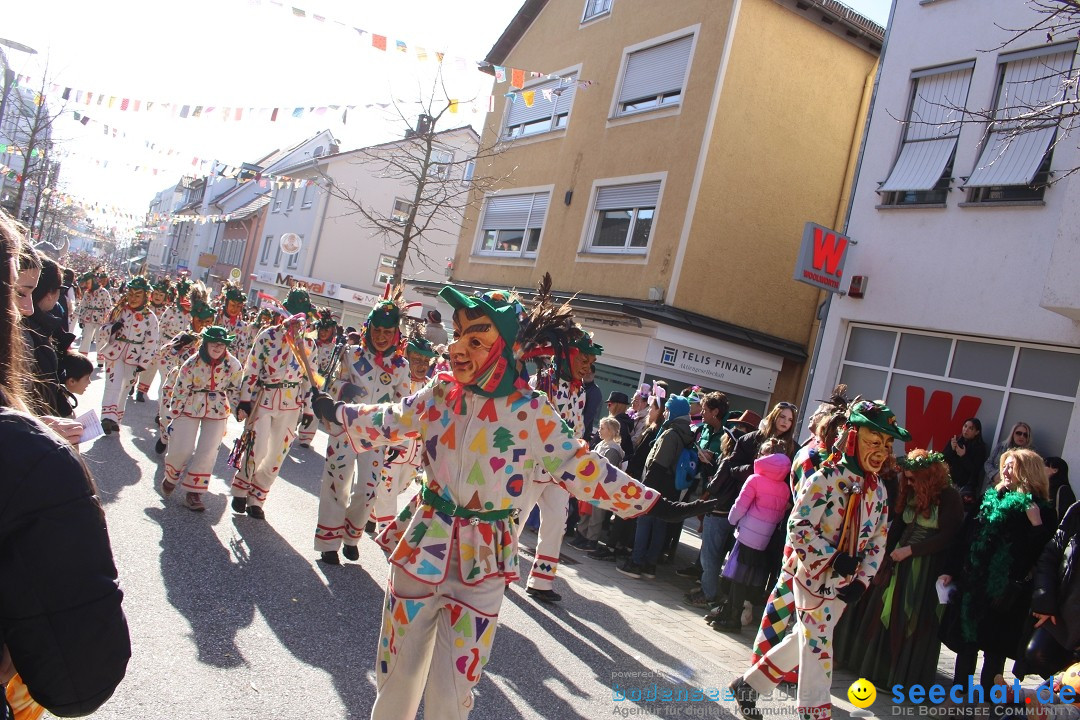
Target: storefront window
{"points": [[1000, 383]]}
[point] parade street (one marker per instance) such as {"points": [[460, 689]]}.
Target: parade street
{"points": [[232, 617]]}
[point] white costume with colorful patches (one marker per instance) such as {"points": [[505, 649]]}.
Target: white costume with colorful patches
{"points": [[275, 383], [93, 307], [130, 348], [245, 333], [449, 571], [320, 360], [552, 497], [171, 321], [169, 358], [203, 396], [814, 531], [398, 473], [345, 503]]}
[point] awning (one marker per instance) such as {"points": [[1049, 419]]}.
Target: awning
{"points": [[1011, 160], [920, 165]]}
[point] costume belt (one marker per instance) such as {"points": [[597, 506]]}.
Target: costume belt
{"points": [[446, 507], [275, 386], [121, 338]]}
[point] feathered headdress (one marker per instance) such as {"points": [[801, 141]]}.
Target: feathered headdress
{"points": [[231, 292], [326, 319], [548, 329]]}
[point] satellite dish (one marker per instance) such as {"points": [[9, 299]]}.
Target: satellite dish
{"points": [[291, 243]]}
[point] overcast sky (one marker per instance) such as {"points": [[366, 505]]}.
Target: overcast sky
{"points": [[243, 53]]}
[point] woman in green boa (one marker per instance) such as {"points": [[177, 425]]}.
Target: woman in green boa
{"points": [[896, 639], [992, 568]]}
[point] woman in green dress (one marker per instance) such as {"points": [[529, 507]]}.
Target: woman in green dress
{"points": [[897, 637]]}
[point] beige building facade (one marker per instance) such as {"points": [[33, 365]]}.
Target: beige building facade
{"points": [[663, 172]]}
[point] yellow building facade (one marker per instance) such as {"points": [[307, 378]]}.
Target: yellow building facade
{"points": [[662, 169]]}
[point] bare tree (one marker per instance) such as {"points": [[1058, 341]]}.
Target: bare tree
{"points": [[33, 134], [439, 194]]}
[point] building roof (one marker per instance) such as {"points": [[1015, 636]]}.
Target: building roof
{"points": [[856, 25], [655, 312], [252, 207]]}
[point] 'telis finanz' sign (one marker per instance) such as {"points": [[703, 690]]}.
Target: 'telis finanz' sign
{"points": [[821, 258]]}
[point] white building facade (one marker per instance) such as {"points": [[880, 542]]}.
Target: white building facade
{"points": [[971, 305]]}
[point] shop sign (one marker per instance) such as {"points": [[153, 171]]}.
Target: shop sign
{"points": [[732, 371], [312, 285], [822, 255]]}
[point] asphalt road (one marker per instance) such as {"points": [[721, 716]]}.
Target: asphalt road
{"points": [[233, 618]]}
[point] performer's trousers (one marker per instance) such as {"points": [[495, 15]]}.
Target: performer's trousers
{"points": [[198, 456], [307, 433], [777, 620], [438, 636], [146, 377], [807, 646], [345, 505], [119, 376], [274, 434], [88, 332], [396, 478], [554, 501]]}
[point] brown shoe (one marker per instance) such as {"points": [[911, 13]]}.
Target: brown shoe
{"points": [[193, 501], [167, 487]]}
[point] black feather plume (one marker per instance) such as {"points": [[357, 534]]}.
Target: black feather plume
{"points": [[548, 328]]}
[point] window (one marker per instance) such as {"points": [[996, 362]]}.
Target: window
{"points": [[593, 8], [624, 217], [294, 259], [655, 76], [384, 273], [268, 245], [308, 196], [923, 170], [277, 254], [512, 224], [402, 209], [1014, 164], [926, 376], [470, 170], [541, 108], [441, 161], [277, 201], [292, 198]]}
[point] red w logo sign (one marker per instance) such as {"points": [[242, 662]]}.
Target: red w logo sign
{"points": [[828, 251], [932, 424]]}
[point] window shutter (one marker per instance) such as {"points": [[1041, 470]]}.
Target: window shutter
{"points": [[542, 107], [656, 70], [623, 197], [516, 212]]}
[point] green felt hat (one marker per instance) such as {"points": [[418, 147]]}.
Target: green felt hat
{"points": [[299, 302], [877, 416], [420, 345], [585, 344], [499, 305], [138, 283], [385, 314], [87, 276], [163, 286], [202, 310], [234, 294], [216, 333]]}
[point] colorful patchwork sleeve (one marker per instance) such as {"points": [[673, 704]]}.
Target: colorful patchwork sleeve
{"points": [[384, 424], [875, 528], [585, 474], [251, 370], [820, 501]]}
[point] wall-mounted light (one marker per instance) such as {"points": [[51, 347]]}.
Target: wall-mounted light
{"points": [[857, 288], [568, 196]]}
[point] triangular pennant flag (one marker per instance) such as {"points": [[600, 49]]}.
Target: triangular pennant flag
{"points": [[529, 96], [401, 46], [500, 73], [517, 78], [378, 42]]}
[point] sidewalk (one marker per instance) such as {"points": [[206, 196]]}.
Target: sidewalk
{"points": [[660, 604]]}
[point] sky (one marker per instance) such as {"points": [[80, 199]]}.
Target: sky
{"points": [[245, 54]]}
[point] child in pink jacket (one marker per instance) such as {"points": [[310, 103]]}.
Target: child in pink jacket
{"points": [[762, 505]]}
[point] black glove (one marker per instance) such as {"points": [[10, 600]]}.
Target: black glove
{"points": [[392, 454], [243, 406], [116, 327], [139, 369], [669, 511], [183, 340], [350, 392], [82, 325], [324, 407], [306, 421], [850, 594], [845, 564]]}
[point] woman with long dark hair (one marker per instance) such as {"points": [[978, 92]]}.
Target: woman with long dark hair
{"points": [[1061, 493], [965, 454], [65, 638], [46, 337]]}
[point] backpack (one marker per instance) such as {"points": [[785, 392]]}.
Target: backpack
{"points": [[686, 467]]}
